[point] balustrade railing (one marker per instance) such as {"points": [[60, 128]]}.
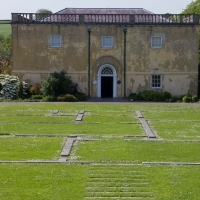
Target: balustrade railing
{"points": [[131, 19]]}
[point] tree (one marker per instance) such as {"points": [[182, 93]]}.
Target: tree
{"points": [[192, 8], [41, 13]]}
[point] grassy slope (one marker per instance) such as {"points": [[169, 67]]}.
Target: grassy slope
{"points": [[5, 29]]}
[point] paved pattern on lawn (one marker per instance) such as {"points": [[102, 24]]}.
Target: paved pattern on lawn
{"points": [[117, 182]]}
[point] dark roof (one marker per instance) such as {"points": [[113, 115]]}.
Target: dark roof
{"points": [[125, 11]]}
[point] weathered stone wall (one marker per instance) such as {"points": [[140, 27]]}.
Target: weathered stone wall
{"points": [[176, 61]]}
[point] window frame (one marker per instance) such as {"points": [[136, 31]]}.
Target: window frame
{"points": [[161, 43], [56, 44], [107, 46], [152, 81]]}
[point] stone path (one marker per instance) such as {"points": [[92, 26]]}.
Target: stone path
{"points": [[80, 116], [145, 125], [66, 150], [117, 182]]}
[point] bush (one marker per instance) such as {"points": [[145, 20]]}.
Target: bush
{"points": [[57, 84], [61, 98], [158, 96], [81, 97], [195, 98], [48, 98], [167, 95], [37, 96], [35, 89], [187, 99], [11, 87], [70, 98]]}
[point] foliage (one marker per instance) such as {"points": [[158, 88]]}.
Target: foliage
{"points": [[5, 66], [35, 89], [2, 38], [49, 98], [70, 98], [6, 48], [81, 97], [192, 8], [195, 98], [41, 13], [150, 95], [57, 84], [10, 85], [20, 90], [37, 97], [187, 99]]}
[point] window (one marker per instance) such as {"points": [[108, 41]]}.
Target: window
{"points": [[156, 42], [156, 81], [107, 41], [55, 41]]}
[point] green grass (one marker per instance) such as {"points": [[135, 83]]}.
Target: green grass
{"points": [[177, 130], [110, 119], [116, 169], [5, 29], [34, 148], [177, 116], [119, 150], [82, 128], [48, 181], [36, 119]]}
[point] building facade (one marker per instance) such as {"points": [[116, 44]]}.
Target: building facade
{"points": [[109, 52]]}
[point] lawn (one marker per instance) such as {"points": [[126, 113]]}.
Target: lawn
{"points": [[47, 181], [119, 150], [32, 148], [5, 29], [112, 139]]}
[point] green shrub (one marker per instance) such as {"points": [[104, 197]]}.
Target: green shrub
{"points": [[20, 90], [195, 98], [133, 96], [81, 97], [167, 95], [158, 96], [37, 96], [187, 99], [11, 87], [35, 89], [61, 98], [70, 98], [57, 84], [48, 98]]}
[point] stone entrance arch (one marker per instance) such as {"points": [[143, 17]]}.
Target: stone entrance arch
{"points": [[107, 75]]}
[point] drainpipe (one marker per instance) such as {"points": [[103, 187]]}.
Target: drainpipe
{"points": [[125, 30], [89, 31]]}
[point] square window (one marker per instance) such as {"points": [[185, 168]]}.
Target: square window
{"points": [[156, 81], [107, 41], [156, 42], [55, 41]]}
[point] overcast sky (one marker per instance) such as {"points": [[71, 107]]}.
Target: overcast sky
{"points": [[25, 6]]}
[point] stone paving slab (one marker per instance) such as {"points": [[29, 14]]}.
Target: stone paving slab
{"points": [[170, 163], [139, 114], [79, 117], [55, 112], [145, 125], [68, 146]]}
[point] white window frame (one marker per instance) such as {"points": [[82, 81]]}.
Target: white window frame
{"points": [[156, 84], [55, 41], [156, 44], [108, 43]]}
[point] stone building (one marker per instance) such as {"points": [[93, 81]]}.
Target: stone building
{"points": [[109, 52]]}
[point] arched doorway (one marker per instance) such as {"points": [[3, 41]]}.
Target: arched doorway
{"points": [[107, 81]]}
